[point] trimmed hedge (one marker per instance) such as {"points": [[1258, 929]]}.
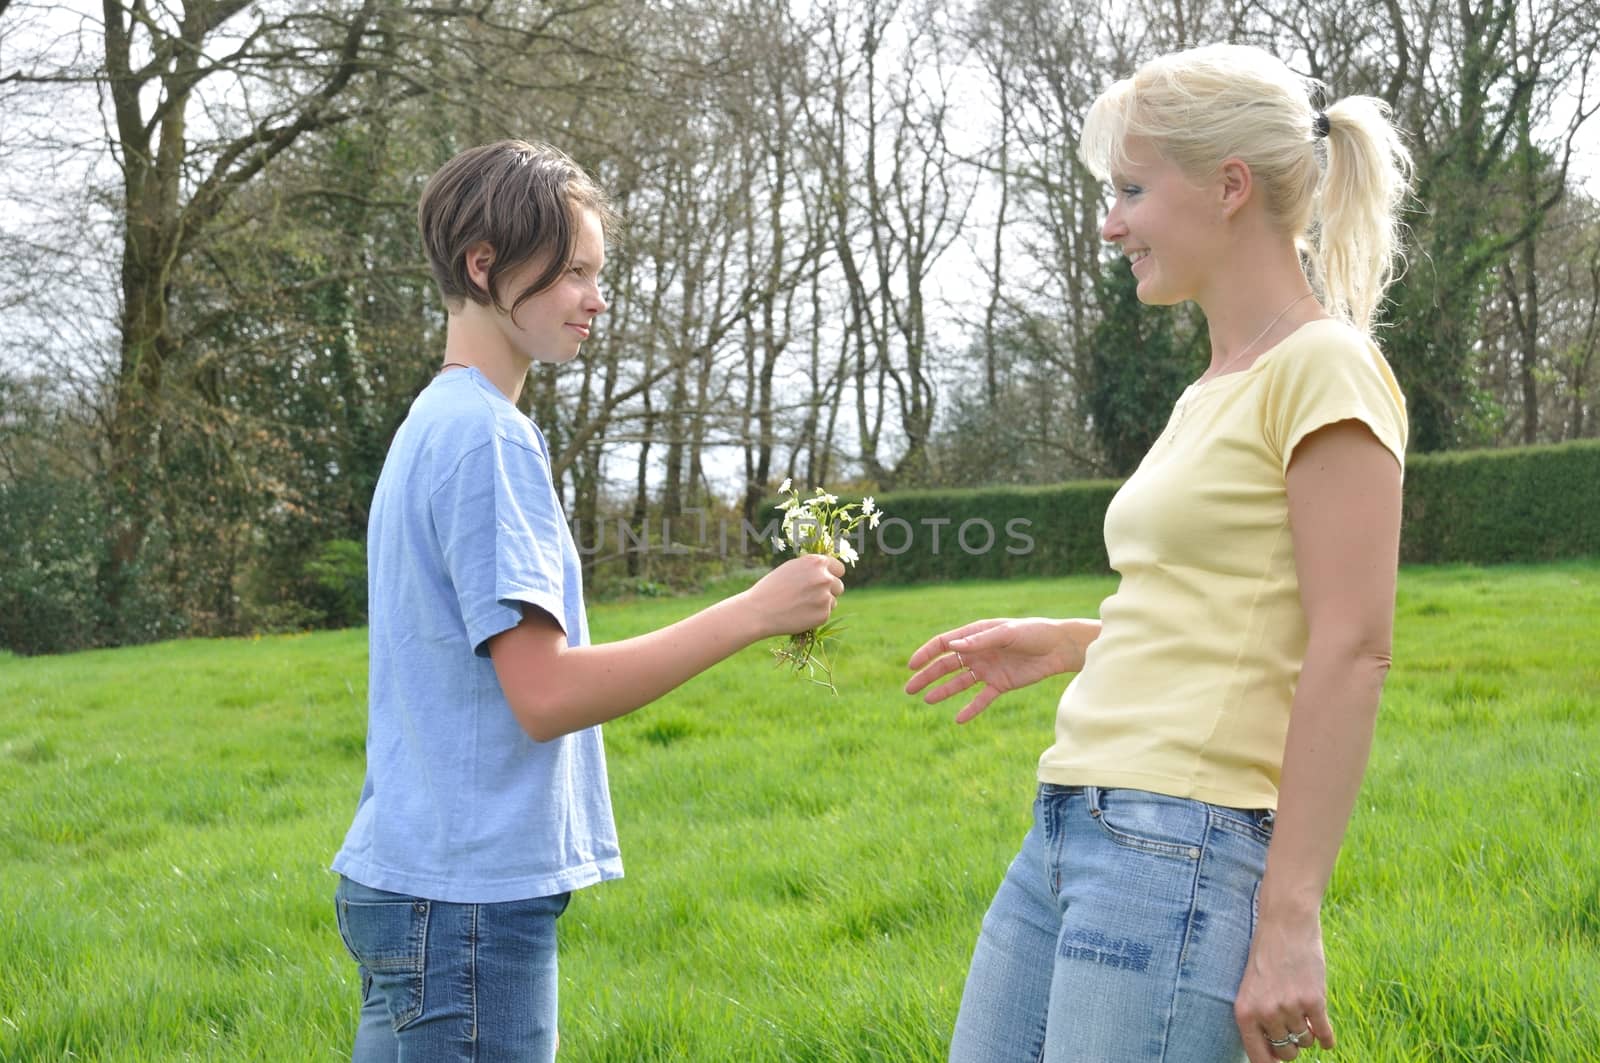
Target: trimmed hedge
{"points": [[1483, 507], [988, 533], [1492, 506]]}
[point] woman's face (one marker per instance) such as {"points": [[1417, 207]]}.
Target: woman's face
{"points": [[1167, 225]]}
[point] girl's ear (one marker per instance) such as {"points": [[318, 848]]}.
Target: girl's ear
{"points": [[479, 257], [1235, 185]]}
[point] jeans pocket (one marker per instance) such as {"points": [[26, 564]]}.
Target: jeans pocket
{"points": [[1150, 823], [389, 939], [343, 924]]}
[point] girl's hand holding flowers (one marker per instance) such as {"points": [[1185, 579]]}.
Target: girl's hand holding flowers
{"points": [[819, 525], [796, 596]]}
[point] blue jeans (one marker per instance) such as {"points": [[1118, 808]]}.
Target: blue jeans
{"points": [[452, 983], [1119, 934]]}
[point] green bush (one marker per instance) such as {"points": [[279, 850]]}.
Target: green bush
{"points": [[988, 533], [52, 539], [1490, 506], [1479, 507], [338, 576]]}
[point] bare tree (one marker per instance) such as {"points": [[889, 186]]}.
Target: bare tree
{"points": [[895, 202], [199, 100], [1545, 379], [786, 233], [1044, 64]]}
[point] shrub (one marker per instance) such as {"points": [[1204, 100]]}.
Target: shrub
{"points": [[338, 576], [52, 539], [1524, 504], [988, 533], [1517, 504]]}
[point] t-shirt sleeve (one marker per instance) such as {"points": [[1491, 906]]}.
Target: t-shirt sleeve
{"points": [[1340, 380], [498, 520]]}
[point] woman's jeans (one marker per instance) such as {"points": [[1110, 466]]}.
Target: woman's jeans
{"points": [[452, 983], [1119, 934]]}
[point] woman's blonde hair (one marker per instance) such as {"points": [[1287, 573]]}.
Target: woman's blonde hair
{"points": [[1340, 202]]}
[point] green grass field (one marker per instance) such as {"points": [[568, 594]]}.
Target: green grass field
{"points": [[806, 873]]}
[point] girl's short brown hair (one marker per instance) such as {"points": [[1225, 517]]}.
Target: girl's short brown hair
{"points": [[522, 199]]}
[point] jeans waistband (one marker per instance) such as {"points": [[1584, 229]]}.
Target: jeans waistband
{"points": [[1263, 817]]}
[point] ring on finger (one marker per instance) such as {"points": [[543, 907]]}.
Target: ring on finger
{"points": [[962, 662], [1291, 1039]]}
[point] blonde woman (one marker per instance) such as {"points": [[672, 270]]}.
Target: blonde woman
{"points": [[1166, 903]]}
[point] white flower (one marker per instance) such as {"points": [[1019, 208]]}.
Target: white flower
{"points": [[846, 552], [788, 503], [868, 506], [877, 515], [824, 498], [778, 544], [800, 524], [788, 483]]}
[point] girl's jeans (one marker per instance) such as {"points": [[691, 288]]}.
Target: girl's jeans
{"points": [[1119, 934], [452, 983]]}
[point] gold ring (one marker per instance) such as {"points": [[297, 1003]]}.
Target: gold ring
{"points": [[962, 662]]}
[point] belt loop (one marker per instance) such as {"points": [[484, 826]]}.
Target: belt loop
{"points": [[1269, 816], [1091, 795]]}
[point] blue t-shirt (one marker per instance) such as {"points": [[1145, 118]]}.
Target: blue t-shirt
{"points": [[459, 803]]}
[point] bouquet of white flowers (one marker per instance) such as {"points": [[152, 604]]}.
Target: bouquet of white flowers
{"points": [[819, 525]]}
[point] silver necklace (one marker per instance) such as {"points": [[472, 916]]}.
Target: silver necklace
{"points": [[1259, 336], [1183, 402]]}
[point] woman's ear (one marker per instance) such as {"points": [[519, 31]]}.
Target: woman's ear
{"points": [[1235, 184]]}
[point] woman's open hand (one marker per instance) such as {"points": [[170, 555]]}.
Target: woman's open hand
{"points": [[1003, 654]]}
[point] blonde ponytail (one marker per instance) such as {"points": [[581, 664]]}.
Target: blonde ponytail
{"points": [[1357, 220]]}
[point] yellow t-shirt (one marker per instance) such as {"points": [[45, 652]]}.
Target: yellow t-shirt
{"points": [[1188, 688]]}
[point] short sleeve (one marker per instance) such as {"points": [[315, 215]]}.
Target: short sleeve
{"points": [[1340, 377], [500, 529]]}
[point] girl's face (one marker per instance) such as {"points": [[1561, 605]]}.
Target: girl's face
{"points": [[552, 325], [1167, 225]]}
